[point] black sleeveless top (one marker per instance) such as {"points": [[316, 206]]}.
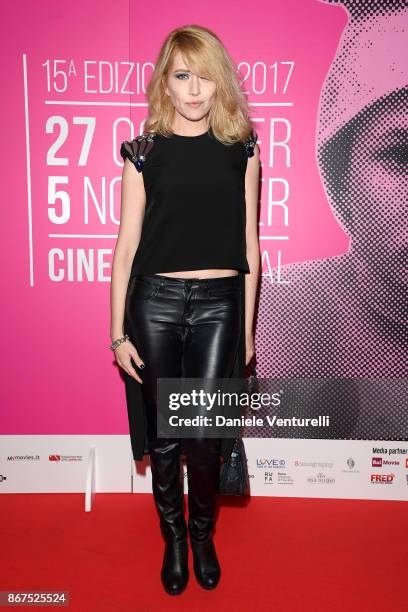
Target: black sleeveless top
{"points": [[195, 213], [195, 218]]}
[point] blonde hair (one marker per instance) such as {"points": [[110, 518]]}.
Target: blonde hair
{"points": [[205, 55]]}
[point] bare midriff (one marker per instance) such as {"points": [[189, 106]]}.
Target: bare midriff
{"points": [[200, 273]]}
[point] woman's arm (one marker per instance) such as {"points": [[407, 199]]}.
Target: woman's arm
{"points": [[133, 201], [252, 249]]}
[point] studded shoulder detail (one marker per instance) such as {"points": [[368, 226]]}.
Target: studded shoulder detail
{"points": [[137, 149], [250, 143]]}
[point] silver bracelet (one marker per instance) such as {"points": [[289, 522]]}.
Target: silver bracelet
{"points": [[118, 342]]}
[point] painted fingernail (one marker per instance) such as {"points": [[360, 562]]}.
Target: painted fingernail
{"points": [[142, 365]]}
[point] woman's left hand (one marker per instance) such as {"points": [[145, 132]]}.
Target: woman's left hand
{"points": [[249, 348]]}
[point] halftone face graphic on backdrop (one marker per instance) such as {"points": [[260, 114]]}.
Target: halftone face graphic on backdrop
{"points": [[344, 317], [362, 135]]}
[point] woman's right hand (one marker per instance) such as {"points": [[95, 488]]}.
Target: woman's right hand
{"points": [[123, 353]]}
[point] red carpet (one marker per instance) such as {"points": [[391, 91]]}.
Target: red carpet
{"points": [[276, 554]]}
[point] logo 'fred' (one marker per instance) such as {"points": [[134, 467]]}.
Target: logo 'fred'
{"points": [[382, 478]]}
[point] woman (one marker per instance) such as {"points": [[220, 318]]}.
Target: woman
{"points": [[181, 305]]}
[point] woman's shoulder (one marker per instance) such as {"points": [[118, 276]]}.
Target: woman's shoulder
{"points": [[138, 149], [250, 142], [247, 144]]}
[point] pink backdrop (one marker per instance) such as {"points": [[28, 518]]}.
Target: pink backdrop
{"points": [[58, 375]]}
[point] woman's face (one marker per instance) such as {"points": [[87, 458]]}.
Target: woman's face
{"points": [[185, 88], [379, 192]]}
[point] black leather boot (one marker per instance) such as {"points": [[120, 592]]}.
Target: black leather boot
{"points": [[207, 569], [167, 485], [174, 573], [203, 471]]}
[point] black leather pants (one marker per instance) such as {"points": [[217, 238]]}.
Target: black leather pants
{"points": [[189, 328]]}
